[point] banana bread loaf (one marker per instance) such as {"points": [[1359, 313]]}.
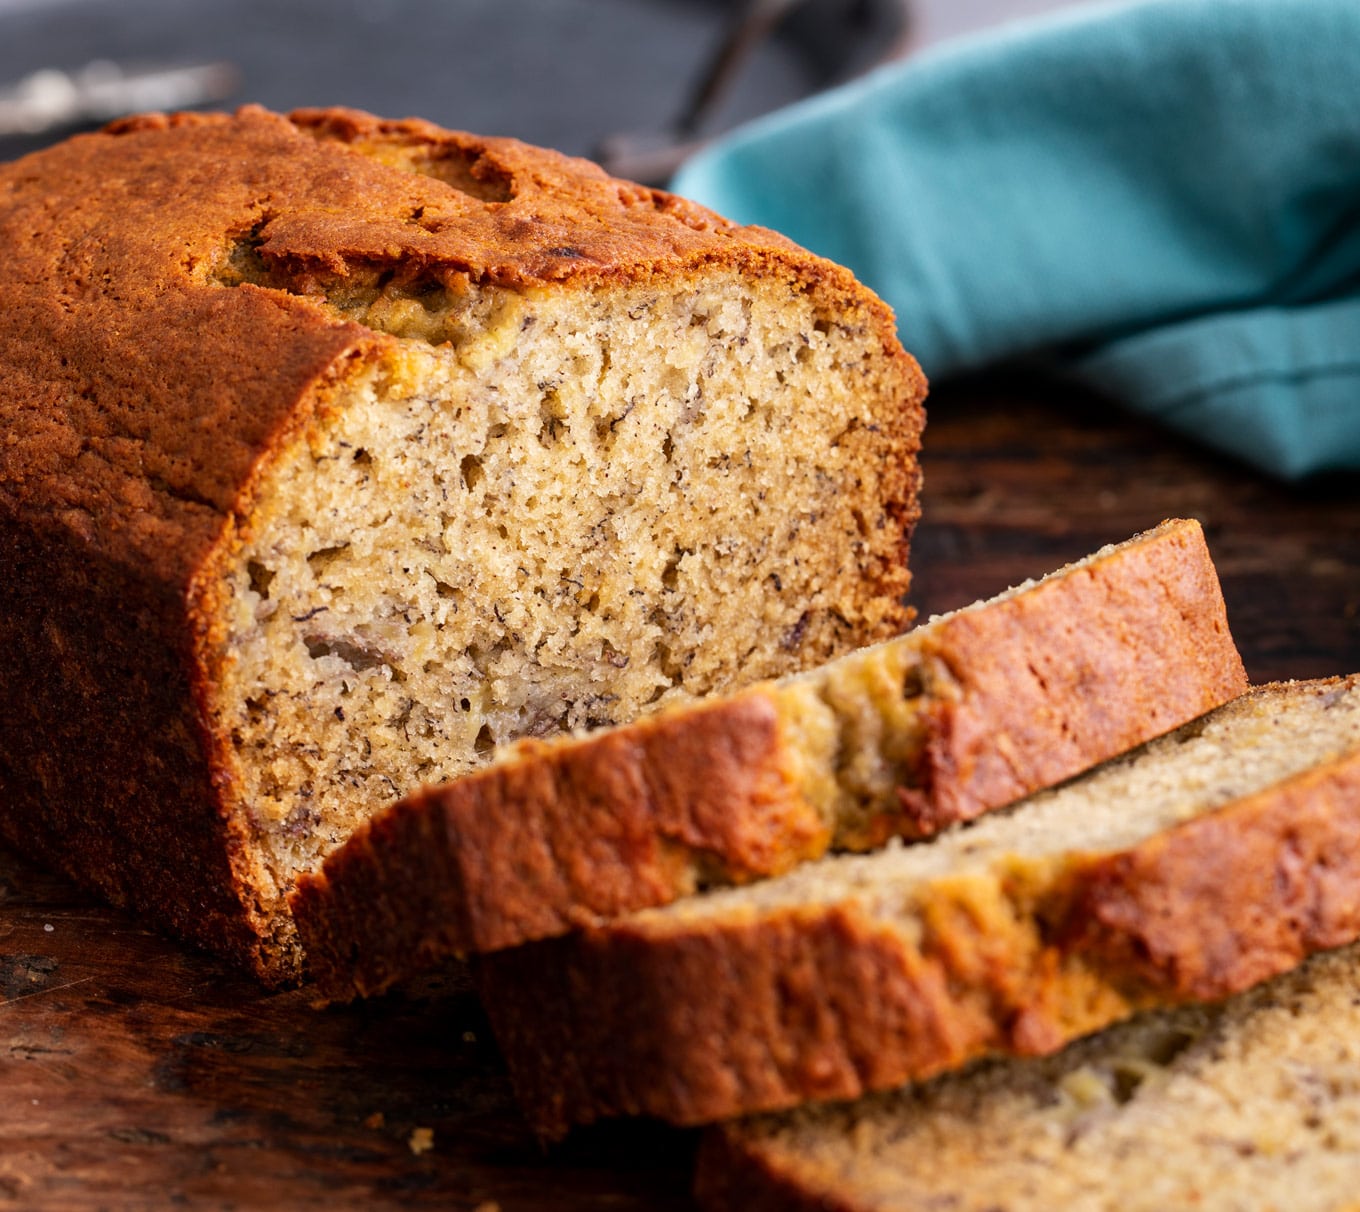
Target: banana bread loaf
{"points": [[1209, 860], [336, 451], [1248, 1105], [968, 712]]}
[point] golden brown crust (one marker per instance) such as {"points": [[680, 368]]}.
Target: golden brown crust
{"points": [[80, 693], [561, 837], [764, 1010], [141, 399], [772, 1010], [1224, 901], [1081, 667]]}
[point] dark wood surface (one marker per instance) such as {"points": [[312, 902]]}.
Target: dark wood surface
{"points": [[136, 1074]]}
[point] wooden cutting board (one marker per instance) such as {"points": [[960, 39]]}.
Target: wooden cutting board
{"points": [[136, 1074]]}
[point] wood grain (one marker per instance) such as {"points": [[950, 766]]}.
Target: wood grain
{"points": [[137, 1074], [1017, 483]]}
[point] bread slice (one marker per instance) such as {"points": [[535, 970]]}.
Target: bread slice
{"points": [[1250, 1105], [1207, 861], [971, 711], [335, 451]]}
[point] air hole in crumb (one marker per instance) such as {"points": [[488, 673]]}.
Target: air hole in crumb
{"points": [[362, 458], [1164, 1049], [323, 558], [667, 448], [260, 577], [913, 683], [1125, 1082], [485, 741], [552, 415], [1191, 731], [483, 657], [670, 575], [672, 669], [465, 704], [354, 655], [471, 467]]}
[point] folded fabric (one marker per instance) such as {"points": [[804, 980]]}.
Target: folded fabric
{"points": [[1160, 198]]}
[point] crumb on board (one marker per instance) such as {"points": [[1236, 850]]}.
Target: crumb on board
{"points": [[421, 1140]]}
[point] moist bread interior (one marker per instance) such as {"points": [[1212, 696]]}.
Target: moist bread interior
{"points": [[504, 529]]}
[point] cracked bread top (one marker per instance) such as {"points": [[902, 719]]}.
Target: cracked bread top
{"points": [[151, 394]]}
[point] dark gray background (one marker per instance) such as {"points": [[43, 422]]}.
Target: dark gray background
{"points": [[565, 73]]}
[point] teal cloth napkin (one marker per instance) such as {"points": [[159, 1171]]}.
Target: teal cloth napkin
{"points": [[1161, 199]]}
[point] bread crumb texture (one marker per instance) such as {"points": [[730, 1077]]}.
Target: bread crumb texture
{"points": [[569, 533]]}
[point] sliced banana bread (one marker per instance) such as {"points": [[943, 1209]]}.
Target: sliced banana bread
{"points": [[971, 711], [1207, 861], [335, 451], [1248, 1105]]}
